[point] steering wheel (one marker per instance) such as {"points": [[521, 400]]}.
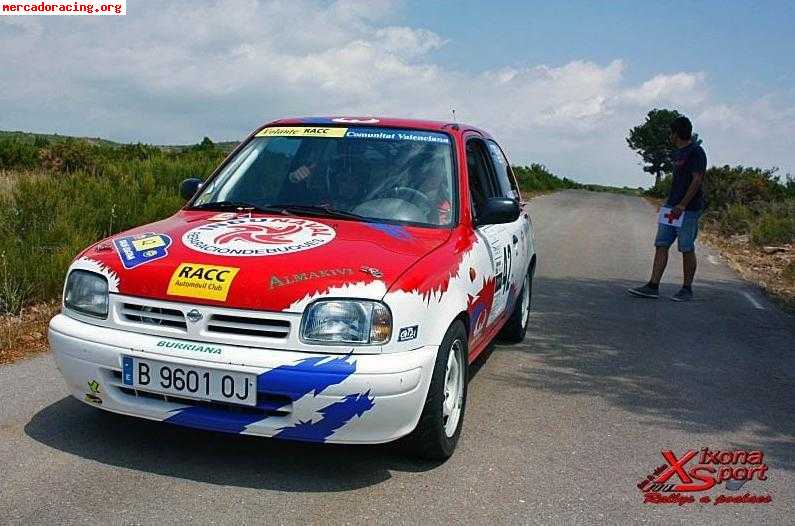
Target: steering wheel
{"points": [[413, 193]]}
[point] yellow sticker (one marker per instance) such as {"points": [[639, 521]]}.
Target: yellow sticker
{"points": [[195, 280], [148, 243], [302, 131]]}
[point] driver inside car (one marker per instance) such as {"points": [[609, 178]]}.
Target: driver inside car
{"points": [[433, 184]]}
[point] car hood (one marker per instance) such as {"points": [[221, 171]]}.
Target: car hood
{"points": [[260, 262]]}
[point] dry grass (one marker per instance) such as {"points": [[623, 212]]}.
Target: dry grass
{"points": [[26, 334], [772, 272]]}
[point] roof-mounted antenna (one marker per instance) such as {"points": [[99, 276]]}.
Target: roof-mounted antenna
{"points": [[452, 110]]}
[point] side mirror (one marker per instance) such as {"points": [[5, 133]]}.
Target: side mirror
{"points": [[498, 210], [189, 187]]}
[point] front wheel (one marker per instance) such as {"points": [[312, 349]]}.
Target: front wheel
{"points": [[437, 432]]}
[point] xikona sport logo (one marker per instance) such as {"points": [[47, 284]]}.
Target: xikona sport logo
{"points": [[258, 236]]}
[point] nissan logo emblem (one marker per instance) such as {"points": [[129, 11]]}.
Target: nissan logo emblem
{"points": [[194, 315]]}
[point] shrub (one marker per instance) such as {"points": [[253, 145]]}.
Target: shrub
{"points": [[537, 178], [89, 192], [660, 190], [737, 218], [18, 154], [772, 228], [68, 155]]}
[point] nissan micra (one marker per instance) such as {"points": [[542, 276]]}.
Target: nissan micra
{"points": [[331, 281]]}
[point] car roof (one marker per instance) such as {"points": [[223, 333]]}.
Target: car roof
{"points": [[378, 122]]}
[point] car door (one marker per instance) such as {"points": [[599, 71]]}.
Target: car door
{"points": [[517, 252], [483, 185]]}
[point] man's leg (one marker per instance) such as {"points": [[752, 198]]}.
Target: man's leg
{"points": [[665, 237], [687, 246], [660, 261], [689, 267]]}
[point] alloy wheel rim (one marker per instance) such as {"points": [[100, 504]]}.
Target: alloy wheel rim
{"points": [[453, 389], [526, 301]]}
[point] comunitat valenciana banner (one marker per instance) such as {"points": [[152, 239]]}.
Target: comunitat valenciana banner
{"points": [[63, 7]]}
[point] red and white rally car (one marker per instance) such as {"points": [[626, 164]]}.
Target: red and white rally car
{"points": [[329, 282]]}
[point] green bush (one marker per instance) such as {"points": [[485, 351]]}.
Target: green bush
{"points": [[16, 154], [85, 193], [736, 219], [776, 224], [537, 178], [660, 190]]}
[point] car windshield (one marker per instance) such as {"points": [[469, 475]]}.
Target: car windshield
{"points": [[378, 174]]}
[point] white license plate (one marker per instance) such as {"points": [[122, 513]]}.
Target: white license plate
{"points": [[188, 381]]}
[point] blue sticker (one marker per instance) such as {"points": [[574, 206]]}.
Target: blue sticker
{"points": [[127, 370], [141, 248], [395, 231]]}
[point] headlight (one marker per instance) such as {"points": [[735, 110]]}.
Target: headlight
{"points": [[86, 293], [347, 321]]}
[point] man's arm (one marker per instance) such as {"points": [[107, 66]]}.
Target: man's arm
{"points": [[695, 184]]}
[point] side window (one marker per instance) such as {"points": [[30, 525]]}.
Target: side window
{"points": [[505, 178], [481, 182]]}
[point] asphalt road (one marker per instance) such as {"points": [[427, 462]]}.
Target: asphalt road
{"points": [[559, 429]]}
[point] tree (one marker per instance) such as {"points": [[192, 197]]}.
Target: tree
{"points": [[651, 140]]}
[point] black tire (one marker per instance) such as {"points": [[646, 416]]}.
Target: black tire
{"points": [[516, 326], [429, 439]]}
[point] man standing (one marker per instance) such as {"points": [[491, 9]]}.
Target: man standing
{"points": [[686, 199]]}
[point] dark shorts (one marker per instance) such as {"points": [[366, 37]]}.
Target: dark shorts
{"points": [[685, 234]]}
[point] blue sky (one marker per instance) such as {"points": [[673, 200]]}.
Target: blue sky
{"points": [[738, 44], [558, 83]]}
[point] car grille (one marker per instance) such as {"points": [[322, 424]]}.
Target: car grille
{"points": [[153, 315], [248, 326], [202, 322]]}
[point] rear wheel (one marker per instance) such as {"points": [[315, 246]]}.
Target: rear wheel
{"points": [[516, 326], [437, 432]]}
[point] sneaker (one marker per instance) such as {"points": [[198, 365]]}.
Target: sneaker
{"points": [[644, 292], [683, 295]]}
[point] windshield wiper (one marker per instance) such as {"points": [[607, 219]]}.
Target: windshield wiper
{"points": [[319, 210], [233, 205]]}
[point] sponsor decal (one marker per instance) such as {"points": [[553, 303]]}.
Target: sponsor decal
{"points": [[408, 333], [396, 135], [682, 481], [194, 280], [374, 272], [141, 248], [258, 236], [93, 386], [223, 216], [184, 346], [356, 121], [94, 399], [302, 131], [103, 247], [281, 281]]}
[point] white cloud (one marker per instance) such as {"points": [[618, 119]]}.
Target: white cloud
{"points": [[171, 73]]}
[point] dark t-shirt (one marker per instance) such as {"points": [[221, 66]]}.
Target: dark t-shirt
{"points": [[688, 160]]}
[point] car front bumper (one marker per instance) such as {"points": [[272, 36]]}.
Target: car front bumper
{"points": [[353, 398]]}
